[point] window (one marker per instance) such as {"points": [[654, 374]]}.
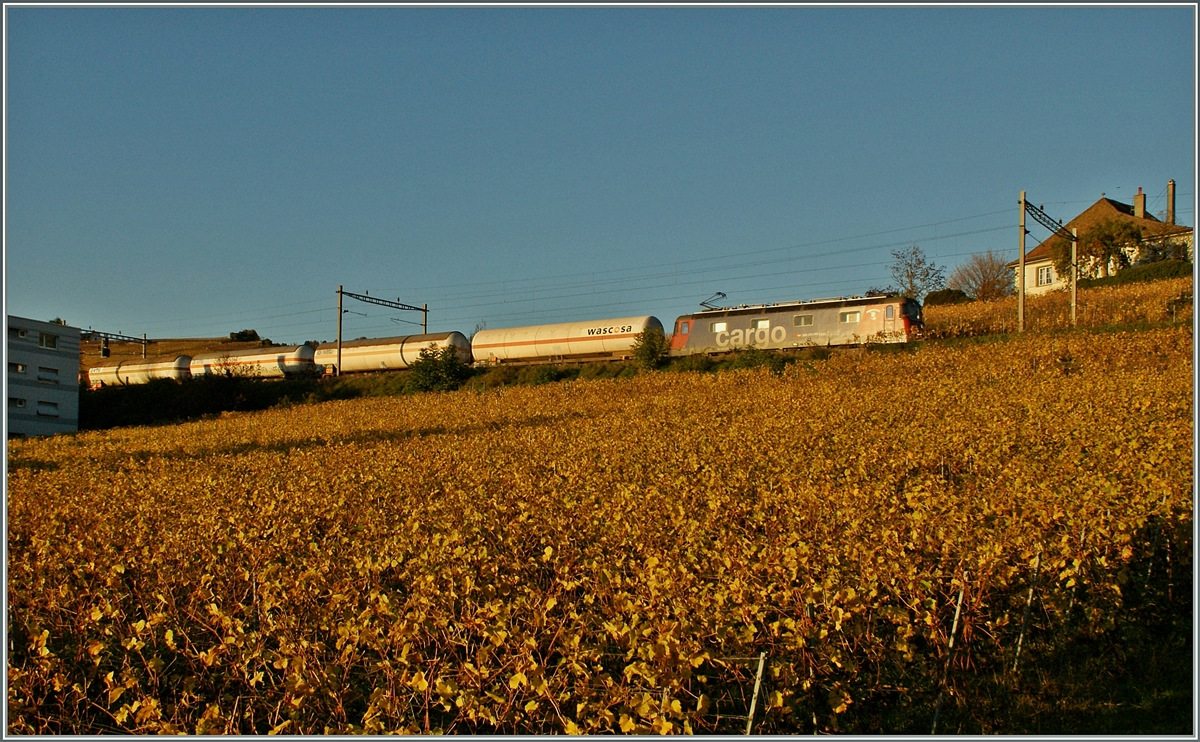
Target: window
{"points": [[683, 327], [1045, 276], [47, 409], [849, 317], [16, 402], [802, 320], [47, 375], [13, 332], [16, 368], [890, 313], [760, 324], [717, 327], [47, 341]]}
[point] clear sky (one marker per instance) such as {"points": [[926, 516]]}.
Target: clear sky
{"points": [[188, 172]]}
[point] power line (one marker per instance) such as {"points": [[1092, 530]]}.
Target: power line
{"points": [[699, 260]]}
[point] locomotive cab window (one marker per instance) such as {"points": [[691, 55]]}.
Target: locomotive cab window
{"points": [[683, 327], [802, 320], [760, 324], [890, 312], [717, 327], [849, 317]]}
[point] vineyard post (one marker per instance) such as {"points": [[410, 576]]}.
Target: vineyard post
{"points": [[762, 658], [1154, 544], [1028, 602], [1079, 573], [937, 710]]}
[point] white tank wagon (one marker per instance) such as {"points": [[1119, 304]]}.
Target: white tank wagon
{"points": [[140, 371], [391, 353], [266, 363], [601, 339]]}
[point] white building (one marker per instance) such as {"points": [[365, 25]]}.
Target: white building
{"points": [[43, 377], [1159, 239]]}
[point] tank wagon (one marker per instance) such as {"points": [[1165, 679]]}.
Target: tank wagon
{"points": [[871, 319], [388, 354], [267, 363], [603, 339], [139, 371]]}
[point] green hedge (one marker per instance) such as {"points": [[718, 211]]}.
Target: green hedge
{"points": [[1148, 272]]}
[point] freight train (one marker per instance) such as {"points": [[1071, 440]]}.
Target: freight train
{"points": [[716, 330]]}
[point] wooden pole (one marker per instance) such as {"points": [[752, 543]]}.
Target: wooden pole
{"points": [[338, 369], [424, 319], [937, 711], [762, 658], [1074, 271], [1025, 619], [1021, 272]]}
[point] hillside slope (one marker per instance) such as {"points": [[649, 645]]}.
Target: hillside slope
{"points": [[614, 555]]}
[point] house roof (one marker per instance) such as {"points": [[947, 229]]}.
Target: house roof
{"points": [[1104, 209]]}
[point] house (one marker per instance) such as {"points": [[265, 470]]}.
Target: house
{"points": [[1160, 239], [43, 377]]}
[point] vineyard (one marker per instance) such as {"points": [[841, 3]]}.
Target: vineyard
{"points": [[898, 536], [1102, 306]]}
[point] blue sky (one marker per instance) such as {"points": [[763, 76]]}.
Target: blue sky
{"points": [[188, 172]]}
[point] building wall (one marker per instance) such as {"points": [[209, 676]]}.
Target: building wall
{"points": [[42, 378], [1031, 278]]}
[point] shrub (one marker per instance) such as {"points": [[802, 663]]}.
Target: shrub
{"points": [[947, 296], [244, 336], [1147, 272], [649, 348], [756, 358], [698, 362], [437, 371]]}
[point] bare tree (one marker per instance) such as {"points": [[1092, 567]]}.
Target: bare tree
{"points": [[984, 277], [914, 274]]}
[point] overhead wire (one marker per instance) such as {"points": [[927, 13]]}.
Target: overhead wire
{"points": [[509, 284]]}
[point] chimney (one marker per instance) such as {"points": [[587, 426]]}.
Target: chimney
{"points": [[1170, 202], [1139, 204]]}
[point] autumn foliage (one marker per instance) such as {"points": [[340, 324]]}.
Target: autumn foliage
{"points": [[600, 555], [1101, 306]]}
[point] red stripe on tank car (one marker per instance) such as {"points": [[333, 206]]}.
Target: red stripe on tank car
{"points": [[556, 340]]}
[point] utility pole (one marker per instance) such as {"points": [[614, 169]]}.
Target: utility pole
{"points": [[1074, 271], [423, 309], [1021, 272], [106, 336], [1056, 230], [338, 369]]}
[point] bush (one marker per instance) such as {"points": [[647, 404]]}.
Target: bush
{"points": [[947, 296], [1147, 272], [437, 371], [244, 336], [544, 375], [756, 358], [649, 348], [698, 362]]}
